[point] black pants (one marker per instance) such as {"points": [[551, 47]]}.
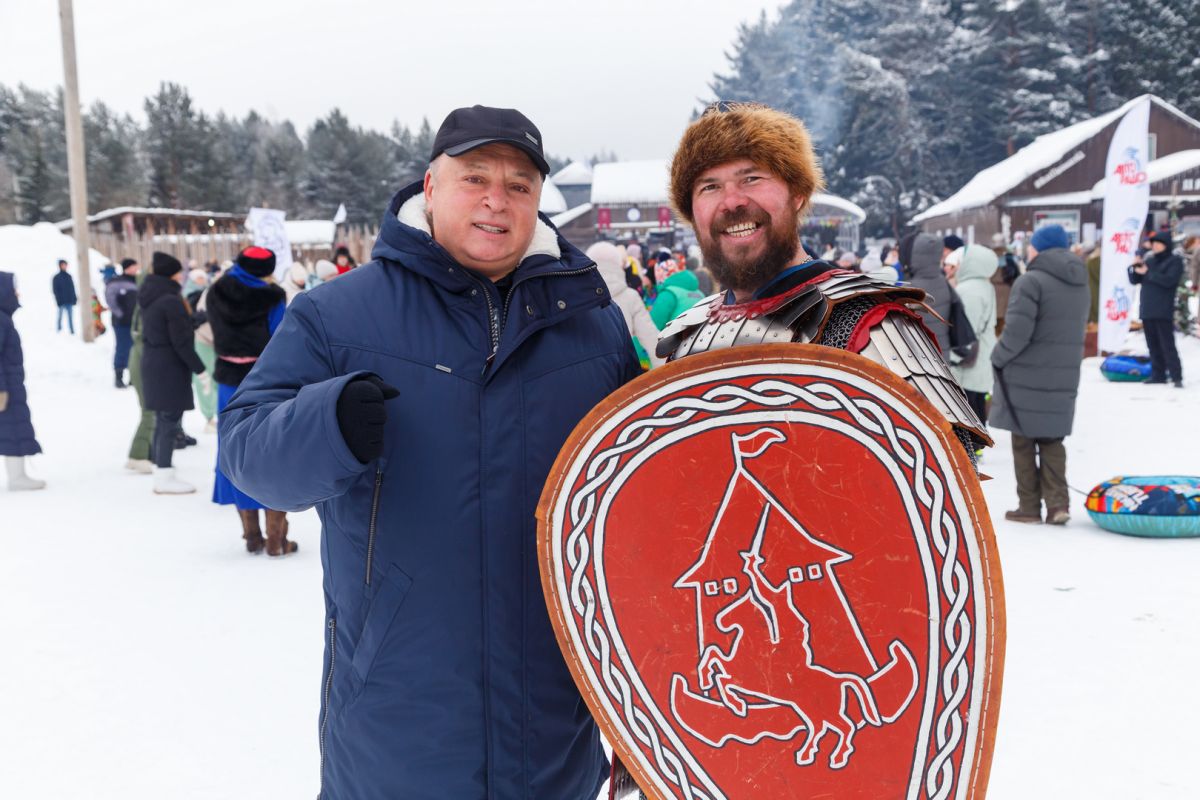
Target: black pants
{"points": [[1164, 358], [978, 403], [166, 425]]}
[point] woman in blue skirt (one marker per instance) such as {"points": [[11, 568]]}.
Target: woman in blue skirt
{"points": [[244, 308]]}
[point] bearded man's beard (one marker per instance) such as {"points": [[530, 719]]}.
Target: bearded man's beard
{"points": [[746, 273]]}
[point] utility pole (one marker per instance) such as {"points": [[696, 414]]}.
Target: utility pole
{"points": [[76, 167]]}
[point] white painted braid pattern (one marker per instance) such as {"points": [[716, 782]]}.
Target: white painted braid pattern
{"points": [[930, 492]]}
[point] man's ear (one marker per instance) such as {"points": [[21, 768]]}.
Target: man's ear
{"points": [[801, 203], [428, 188]]}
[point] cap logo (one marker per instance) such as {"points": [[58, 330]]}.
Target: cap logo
{"points": [[531, 138]]}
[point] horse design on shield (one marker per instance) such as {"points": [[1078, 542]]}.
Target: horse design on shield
{"points": [[757, 672]]}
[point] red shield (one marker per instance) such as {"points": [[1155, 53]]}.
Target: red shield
{"points": [[773, 574]]}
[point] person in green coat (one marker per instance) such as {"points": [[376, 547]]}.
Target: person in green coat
{"points": [[678, 290], [139, 450]]}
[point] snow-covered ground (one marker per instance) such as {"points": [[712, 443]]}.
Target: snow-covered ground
{"points": [[148, 656]]}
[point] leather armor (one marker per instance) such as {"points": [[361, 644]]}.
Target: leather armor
{"points": [[840, 309]]}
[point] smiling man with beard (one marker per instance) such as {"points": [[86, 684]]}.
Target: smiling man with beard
{"points": [[744, 176]]}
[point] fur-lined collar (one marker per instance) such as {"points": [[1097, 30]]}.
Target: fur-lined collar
{"points": [[545, 240]]}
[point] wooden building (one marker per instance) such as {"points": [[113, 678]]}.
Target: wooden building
{"points": [[1059, 178], [130, 221]]}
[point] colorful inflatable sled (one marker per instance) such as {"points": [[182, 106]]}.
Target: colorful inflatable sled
{"points": [[1161, 506]]}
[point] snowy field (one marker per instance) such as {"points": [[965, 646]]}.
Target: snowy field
{"points": [[148, 656]]}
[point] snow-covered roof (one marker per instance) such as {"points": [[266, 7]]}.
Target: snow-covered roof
{"points": [[642, 182], [570, 216], [310, 231], [1064, 199], [552, 201], [840, 203], [1041, 153], [100, 216], [574, 174]]}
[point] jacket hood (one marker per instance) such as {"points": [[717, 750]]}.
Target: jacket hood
{"points": [[156, 286], [611, 265], [978, 263], [405, 233], [8, 293], [926, 256], [1062, 264], [684, 279]]}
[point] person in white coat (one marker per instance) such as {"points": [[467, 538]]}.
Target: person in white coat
{"points": [[974, 287], [637, 318]]}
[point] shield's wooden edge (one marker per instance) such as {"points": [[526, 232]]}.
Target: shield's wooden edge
{"points": [[801, 354]]}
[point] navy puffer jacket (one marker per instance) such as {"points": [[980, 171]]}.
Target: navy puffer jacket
{"points": [[442, 675]]}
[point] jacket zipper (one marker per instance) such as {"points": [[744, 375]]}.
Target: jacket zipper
{"points": [[325, 698], [498, 323], [374, 519]]}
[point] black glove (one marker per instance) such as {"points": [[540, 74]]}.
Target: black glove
{"points": [[361, 415]]}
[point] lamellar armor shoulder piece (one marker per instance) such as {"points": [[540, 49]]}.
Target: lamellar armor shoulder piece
{"points": [[840, 309]]}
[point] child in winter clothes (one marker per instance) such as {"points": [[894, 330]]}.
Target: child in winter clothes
{"points": [[244, 308]]}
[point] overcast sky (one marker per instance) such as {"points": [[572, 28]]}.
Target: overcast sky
{"points": [[621, 75]]}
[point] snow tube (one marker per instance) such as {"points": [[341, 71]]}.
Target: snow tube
{"points": [[1125, 368], [1161, 506]]}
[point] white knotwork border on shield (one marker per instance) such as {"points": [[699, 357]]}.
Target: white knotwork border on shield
{"points": [[867, 415]]}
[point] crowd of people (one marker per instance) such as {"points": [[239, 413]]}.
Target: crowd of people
{"points": [[476, 308]]}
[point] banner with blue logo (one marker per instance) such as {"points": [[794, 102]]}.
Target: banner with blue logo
{"points": [[1126, 201]]}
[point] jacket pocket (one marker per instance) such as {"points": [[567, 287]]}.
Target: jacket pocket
{"points": [[389, 596]]}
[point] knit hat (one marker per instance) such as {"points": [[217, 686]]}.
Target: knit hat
{"points": [[773, 140], [126, 263], [326, 269], [953, 242], [199, 277], [1162, 236], [258, 261], [666, 268], [1048, 237], [341, 250], [165, 265]]}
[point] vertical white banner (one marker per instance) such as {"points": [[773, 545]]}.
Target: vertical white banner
{"points": [[269, 231], [1126, 201]]}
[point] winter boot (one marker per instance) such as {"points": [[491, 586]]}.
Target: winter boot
{"points": [[1020, 515], [120, 381], [1058, 515], [165, 482], [18, 481], [277, 529], [142, 466], [251, 532], [182, 440]]}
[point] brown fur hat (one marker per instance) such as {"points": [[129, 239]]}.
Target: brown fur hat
{"points": [[774, 140]]}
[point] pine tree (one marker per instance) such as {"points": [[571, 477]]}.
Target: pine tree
{"points": [[115, 172]]}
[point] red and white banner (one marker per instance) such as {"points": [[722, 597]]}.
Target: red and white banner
{"points": [[1126, 201]]}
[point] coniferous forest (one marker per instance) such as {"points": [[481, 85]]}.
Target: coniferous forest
{"points": [[906, 99]]}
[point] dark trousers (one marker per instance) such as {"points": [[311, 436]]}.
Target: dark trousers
{"points": [[1041, 467], [124, 345], [166, 424], [1164, 358], [978, 403]]}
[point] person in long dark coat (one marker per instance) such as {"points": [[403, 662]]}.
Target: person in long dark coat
{"points": [[1037, 363], [244, 308], [16, 426], [1159, 276], [168, 360]]}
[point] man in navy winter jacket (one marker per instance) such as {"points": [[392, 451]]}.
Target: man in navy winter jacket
{"points": [[64, 296], [419, 402]]}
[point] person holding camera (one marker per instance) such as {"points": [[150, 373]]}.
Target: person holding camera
{"points": [[1159, 275]]}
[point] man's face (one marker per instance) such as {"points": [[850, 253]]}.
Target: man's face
{"points": [[745, 222], [133, 269], [483, 207], [1158, 247], [342, 260]]}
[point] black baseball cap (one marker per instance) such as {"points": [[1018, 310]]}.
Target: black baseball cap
{"points": [[465, 129]]}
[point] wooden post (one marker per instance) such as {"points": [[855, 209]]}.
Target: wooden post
{"points": [[76, 167]]}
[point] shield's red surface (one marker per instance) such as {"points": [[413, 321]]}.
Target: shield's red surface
{"points": [[773, 575]]}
